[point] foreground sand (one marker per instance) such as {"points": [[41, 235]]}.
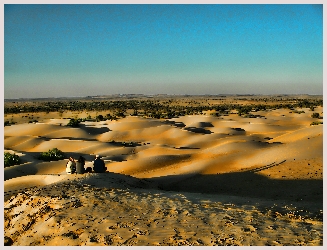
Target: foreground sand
{"points": [[111, 209], [193, 180]]}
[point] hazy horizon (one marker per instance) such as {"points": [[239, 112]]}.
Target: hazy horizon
{"points": [[166, 95], [88, 50]]}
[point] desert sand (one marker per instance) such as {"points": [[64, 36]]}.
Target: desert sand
{"points": [[191, 180]]}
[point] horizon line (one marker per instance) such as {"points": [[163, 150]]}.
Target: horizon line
{"points": [[154, 95]]}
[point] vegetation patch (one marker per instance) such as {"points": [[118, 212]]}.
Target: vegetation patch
{"points": [[52, 155], [298, 111], [11, 159], [253, 116], [8, 123], [34, 121], [74, 122], [316, 115], [154, 108], [315, 123]]}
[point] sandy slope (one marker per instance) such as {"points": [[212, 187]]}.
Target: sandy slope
{"points": [[113, 209], [249, 168]]}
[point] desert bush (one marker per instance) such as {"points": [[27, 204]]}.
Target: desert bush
{"points": [[73, 122], [298, 111], [252, 116], [120, 114], [315, 115], [11, 159], [35, 121], [8, 123], [315, 123], [243, 110], [100, 118], [52, 155]]}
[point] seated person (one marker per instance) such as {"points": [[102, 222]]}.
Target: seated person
{"points": [[71, 166], [80, 165], [98, 165]]}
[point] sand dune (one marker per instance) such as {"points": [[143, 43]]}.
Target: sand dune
{"points": [[71, 133], [158, 168], [33, 129], [32, 181], [13, 141], [131, 123], [133, 144], [300, 134]]}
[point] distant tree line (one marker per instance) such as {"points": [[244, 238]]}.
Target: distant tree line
{"points": [[153, 108]]}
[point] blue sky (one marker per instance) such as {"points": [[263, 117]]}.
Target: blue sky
{"points": [[80, 50]]}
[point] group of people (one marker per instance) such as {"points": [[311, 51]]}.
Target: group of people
{"points": [[77, 167]]}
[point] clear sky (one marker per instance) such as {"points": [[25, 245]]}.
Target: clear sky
{"points": [[80, 50]]}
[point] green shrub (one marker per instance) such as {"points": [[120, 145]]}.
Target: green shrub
{"points": [[52, 155], [100, 118], [298, 111], [315, 115], [8, 123], [74, 122], [243, 110], [315, 123], [11, 159]]}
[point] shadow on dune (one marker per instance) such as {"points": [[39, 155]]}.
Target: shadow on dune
{"points": [[187, 148], [125, 144], [69, 138], [115, 180], [245, 184], [176, 124], [198, 130], [205, 125], [117, 158], [238, 131], [251, 188], [94, 130], [19, 170]]}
